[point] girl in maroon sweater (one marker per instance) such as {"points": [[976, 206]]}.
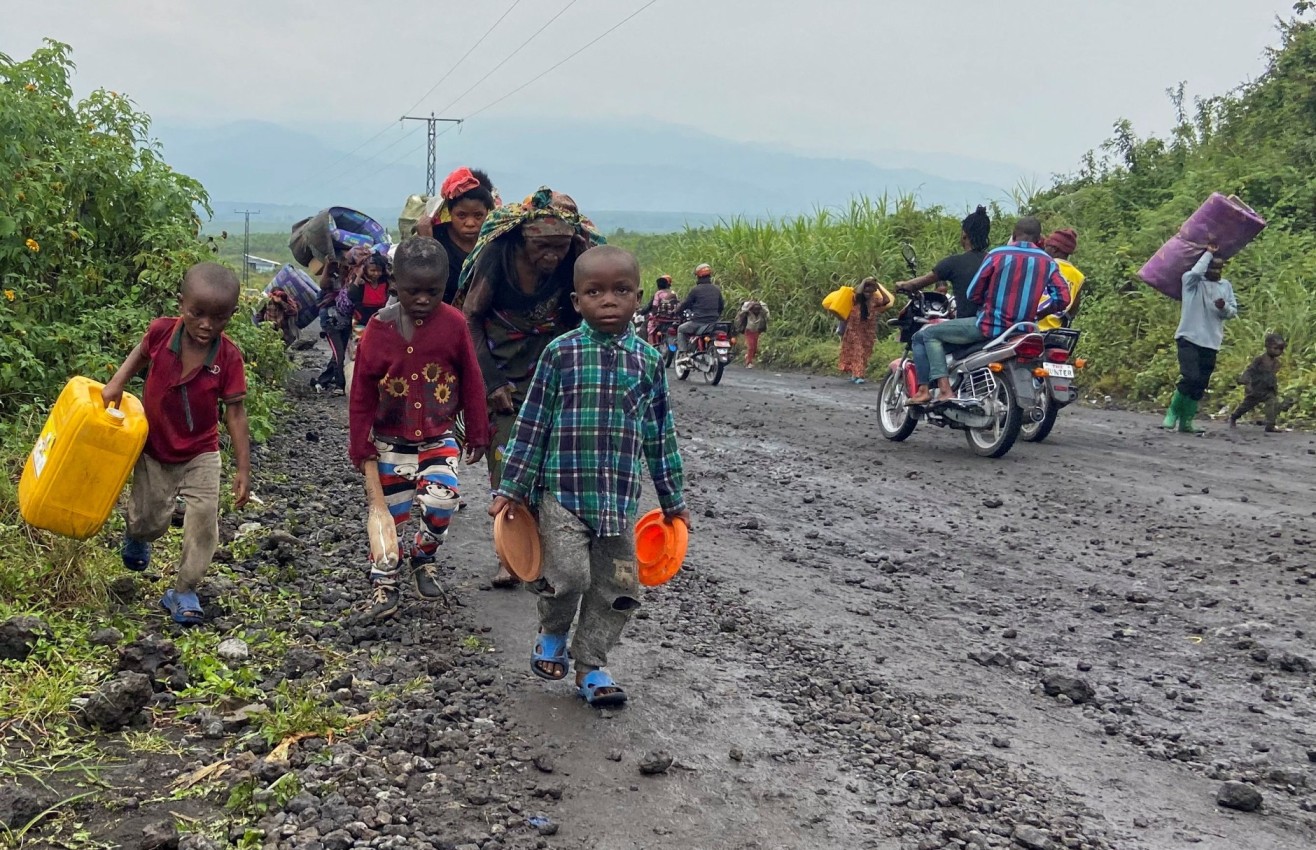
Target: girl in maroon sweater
{"points": [[415, 371]]}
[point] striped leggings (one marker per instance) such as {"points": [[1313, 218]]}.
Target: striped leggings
{"points": [[424, 474]]}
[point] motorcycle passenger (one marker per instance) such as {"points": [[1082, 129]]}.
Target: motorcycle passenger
{"points": [[705, 304], [959, 269], [1060, 245], [1007, 290], [663, 309]]}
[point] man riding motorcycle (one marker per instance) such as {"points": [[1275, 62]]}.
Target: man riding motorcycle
{"points": [[663, 309], [1007, 290], [705, 304]]}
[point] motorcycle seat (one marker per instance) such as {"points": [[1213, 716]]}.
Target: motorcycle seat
{"points": [[959, 352]]}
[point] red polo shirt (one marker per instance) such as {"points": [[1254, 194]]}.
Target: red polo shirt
{"points": [[182, 411]]}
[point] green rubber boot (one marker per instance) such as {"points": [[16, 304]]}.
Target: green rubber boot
{"points": [[1172, 413], [1187, 413]]}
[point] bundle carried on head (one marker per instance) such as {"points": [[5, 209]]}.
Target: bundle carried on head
{"points": [[546, 212]]}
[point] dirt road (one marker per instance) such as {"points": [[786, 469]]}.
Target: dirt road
{"points": [[855, 655], [872, 645]]}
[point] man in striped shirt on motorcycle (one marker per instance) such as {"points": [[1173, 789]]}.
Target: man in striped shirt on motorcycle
{"points": [[1006, 290]]}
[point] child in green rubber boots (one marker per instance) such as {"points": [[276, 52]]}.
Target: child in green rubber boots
{"points": [[1208, 299]]}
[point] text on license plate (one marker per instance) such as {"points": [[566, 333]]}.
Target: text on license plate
{"points": [[1059, 370]]}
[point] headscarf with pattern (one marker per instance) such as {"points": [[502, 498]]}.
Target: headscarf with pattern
{"points": [[543, 207]]}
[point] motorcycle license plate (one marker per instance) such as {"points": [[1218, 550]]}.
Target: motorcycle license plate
{"points": [[1059, 370], [722, 347]]}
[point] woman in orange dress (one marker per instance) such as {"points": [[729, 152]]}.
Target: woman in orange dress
{"points": [[861, 329]]}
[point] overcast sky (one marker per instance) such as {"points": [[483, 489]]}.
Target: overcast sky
{"points": [[828, 76]]}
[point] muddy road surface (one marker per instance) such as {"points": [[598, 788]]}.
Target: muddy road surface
{"points": [[904, 645], [1089, 643]]}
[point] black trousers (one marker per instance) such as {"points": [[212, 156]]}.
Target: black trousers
{"points": [[1196, 365]]}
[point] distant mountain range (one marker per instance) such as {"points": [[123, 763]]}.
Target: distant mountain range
{"points": [[654, 177]]}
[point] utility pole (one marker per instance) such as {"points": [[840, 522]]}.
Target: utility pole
{"points": [[430, 162], [246, 243]]}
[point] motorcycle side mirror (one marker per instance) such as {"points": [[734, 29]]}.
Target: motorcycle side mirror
{"points": [[911, 259]]}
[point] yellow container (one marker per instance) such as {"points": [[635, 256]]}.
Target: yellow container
{"points": [[81, 461]]}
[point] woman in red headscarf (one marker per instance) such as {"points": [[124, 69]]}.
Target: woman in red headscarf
{"points": [[465, 200]]}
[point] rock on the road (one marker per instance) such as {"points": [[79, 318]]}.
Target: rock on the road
{"points": [[656, 762], [1078, 690], [19, 636], [1032, 838], [1240, 796], [116, 703], [161, 835], [233, 649]]}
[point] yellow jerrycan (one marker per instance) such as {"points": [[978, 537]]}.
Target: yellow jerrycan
{"points": [[81, 461]]}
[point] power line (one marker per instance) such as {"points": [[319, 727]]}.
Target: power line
{"points": [[509, 56], [454, 67], [392, 163], [457, 64], [541, 74]]}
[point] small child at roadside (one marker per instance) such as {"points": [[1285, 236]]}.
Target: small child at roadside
{"points": [[415, 371], [752, 320], [1261, 383], [595, 416], [194, 369]]}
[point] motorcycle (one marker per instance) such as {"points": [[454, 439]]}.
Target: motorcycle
{"points": [[709, 353], [663, 338], [992, 381], [1053, 382]]}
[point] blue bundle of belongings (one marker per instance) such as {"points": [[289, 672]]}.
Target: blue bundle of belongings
{"points": [[331, 232], [302, 290]]}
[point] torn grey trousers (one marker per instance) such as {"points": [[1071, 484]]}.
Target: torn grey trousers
{"points": [[595, 577]]}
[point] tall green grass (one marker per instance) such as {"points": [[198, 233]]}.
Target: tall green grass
{"points": [[792, 263]]}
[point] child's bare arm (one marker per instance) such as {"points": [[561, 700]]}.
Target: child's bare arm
{"points": [[235, 420], [132, 364]]}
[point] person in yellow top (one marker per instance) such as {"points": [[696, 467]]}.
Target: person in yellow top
{"points": [[1060, 245]]}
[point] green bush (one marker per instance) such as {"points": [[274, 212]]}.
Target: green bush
{"points": [[1126, 199]]}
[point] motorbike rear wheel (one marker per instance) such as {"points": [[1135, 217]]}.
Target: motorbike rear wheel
{"points": [[893, 417], [1036, 432], [998, 439], [711, 368]]}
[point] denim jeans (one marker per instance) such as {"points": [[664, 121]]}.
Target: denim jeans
{"points": [[929, 346]]}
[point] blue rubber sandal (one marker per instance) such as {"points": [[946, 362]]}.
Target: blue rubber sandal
{"points": [[136, 554], [184, 607], [597, 680], [549, 649]]}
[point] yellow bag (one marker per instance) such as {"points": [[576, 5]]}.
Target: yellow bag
{"points": [[840, 302]]}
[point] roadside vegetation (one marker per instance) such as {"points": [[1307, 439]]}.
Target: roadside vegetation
{"points": [[1126, 198]]}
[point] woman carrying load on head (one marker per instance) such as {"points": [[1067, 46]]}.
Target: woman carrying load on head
{"points": [[516, 293], [465, 200]]}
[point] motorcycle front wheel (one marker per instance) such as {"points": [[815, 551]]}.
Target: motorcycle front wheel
{"points": [[1036, 432], [682, 368], [998, 438], [893, 417]]}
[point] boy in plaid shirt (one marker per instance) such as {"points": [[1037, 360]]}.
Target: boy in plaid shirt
{"points": [[595, 415]]}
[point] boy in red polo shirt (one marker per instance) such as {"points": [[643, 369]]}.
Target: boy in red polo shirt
{"points": [[194, 369], [415, 371]]}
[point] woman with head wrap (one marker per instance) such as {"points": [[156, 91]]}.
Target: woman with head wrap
{"points": [[959, 269], [861, 329], [515, 290], [1060, 245], [465, 200]]}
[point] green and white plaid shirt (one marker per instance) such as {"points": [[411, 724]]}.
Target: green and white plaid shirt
{"points": [[595, 411]]}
